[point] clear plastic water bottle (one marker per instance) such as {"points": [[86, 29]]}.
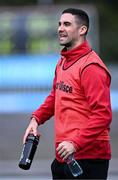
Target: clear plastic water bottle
{"points": [[73, 165]]}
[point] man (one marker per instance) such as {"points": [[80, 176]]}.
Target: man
{"points": [[79, 101]]}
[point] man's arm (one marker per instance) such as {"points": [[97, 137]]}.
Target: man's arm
{"points": [[42, 114], [46, 110], [96, 85]]}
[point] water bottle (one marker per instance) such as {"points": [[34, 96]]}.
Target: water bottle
{"points": [[28, 151], [73, 165]]}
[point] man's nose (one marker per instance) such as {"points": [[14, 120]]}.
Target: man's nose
{"points": [[61, 28]]}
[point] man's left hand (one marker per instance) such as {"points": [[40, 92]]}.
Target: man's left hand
{"points": [[65, 148]]}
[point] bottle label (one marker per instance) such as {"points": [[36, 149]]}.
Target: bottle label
{"points": [[28, 161]]}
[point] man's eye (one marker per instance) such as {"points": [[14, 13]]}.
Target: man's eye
{"points": [[59, 24], [67, 24]]}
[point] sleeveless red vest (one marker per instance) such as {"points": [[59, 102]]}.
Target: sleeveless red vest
{"points": [[71, 107]]}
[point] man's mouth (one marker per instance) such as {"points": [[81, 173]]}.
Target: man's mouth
{"points": [[61, 36]]}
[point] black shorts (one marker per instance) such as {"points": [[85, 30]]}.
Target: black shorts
{"points": [[92, 169]]}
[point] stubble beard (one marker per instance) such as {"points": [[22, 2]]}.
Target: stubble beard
{"points": [[66, 45]]}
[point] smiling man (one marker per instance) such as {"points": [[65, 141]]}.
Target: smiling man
{"points": [[79, 101], [70, 29]]}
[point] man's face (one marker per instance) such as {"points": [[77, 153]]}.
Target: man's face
{"points": [[68, 30]]}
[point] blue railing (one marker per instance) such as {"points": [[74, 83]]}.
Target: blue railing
{"points": [[27, 72], [28, 102]]}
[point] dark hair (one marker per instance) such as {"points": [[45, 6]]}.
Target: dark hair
{"points": [[81, 15]]}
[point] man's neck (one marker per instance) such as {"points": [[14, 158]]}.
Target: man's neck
{"points": [[76, 45]]}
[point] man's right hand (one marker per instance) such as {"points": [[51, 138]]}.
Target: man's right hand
{"points": [[31, 129]]}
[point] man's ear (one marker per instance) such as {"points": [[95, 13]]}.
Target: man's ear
{"points": [[82, 30]]}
